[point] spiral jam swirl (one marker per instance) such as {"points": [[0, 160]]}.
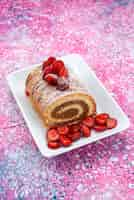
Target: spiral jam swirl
{"points": [[76, 109]]}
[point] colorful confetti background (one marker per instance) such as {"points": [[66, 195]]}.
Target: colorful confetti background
{"points": [[103, 33]]}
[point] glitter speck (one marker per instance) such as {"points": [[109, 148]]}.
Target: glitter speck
{"points": [[80, 187]]}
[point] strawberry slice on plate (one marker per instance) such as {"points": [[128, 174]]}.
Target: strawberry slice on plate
{"points": [[100, 128], [52, 135], [89, 121], [86, 132], [63, 130], [53, 145], [65, 141], [111, 123]]}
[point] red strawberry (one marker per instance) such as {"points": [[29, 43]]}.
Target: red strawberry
{"points": [[100, 121], [86, 132], [51, 60], [47, 70], [53, 145], [74, 128], [27, 93], [63, 130], [63, 72], [57, 66], [51, 79], [111, 123], [45, 64], [103, 115], [52, 135], [65, 141], [74, 136], [100, 128], [89, 121], [48, 62]]}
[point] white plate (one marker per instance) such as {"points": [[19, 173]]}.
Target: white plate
{"points": [[104, 101]]}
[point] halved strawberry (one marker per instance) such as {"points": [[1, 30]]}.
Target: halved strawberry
{"points": [[51, 79], [27, 93], [47, 70], [86, 132], [103, 115], [65, 141], [63, 130], [53, 145], [57, 66], [63, 72], [111, 123], [52, 135], [100, 128], [74, 136], [48, 62], [74, 128], [51, 60], [89, 121]]}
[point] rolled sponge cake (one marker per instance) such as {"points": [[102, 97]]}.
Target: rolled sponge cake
{"points": [[57, 107]]}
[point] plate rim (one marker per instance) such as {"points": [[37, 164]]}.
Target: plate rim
{"points": [[71, 148]]}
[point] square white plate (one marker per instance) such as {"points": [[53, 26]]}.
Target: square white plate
{"points": [[104, 101]]}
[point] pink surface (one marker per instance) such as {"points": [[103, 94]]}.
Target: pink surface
{"points": [[103, 33]]}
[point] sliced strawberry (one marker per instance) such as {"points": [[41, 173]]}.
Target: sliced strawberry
{"points": [[65, 141], [47, 70], [51, 60], [45, 64], [63, 72], [52, 135], [86, 132], [100, 128], [63, 130], [57, 66], [48, 62], [103, 115], [111, 123], [51, 79], [89, 121], [74, 128], [100, 121], [74, 136], [27, 93], [53, 145]]}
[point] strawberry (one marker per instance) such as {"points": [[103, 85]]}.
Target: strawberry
{"points": [[111, 123], [86, 132], [100, 121], [63, 72], [57, 66], [74, 128], [103, 115], [65, 141], [63, 130], [51, 79], [48, 62], [45, 64], [100, 128], [47, 70], [89, 121], [52, 135], [74, 136], [27, 93], [51, 60], [53, 145]]}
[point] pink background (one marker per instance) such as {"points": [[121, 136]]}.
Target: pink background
{"points": [[103, 33]]}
